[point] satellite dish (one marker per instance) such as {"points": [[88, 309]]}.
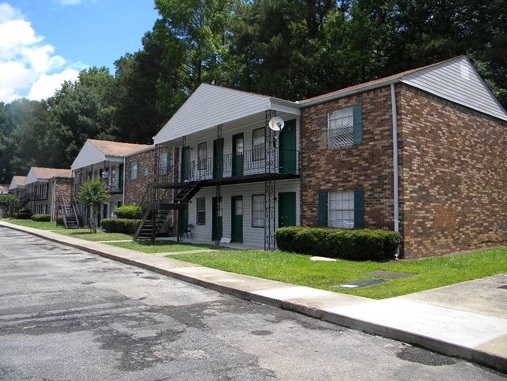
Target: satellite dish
{"points": [[276, 124]]}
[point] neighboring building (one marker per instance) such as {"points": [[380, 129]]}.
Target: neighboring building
{"points": [[226, 162], [17, 186], [440, 181], [46, 190], [4, 188], [103, 160]]}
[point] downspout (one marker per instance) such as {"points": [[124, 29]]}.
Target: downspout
{"points": [[124, 182], [395, 165]]}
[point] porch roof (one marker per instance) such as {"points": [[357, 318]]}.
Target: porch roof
{"points": [[210, 106]]}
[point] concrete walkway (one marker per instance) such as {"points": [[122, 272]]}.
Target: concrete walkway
{"points": [[467, 320]]}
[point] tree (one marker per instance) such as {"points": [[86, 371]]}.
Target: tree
{"points": [[6, 202], [93, 194], [81, 110]]}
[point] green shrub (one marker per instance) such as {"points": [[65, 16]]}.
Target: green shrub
{"points": [[131, 212], [355, 244], [41, 217], [59, 221], [120, 225]]}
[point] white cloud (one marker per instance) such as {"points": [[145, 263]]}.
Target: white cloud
{"points": [[46, 85], [28, 67]]}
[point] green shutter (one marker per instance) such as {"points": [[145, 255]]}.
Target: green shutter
{"points": [[357, 111], [358, 208], [322, 209]]}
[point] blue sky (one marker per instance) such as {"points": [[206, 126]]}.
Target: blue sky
{"points": [[44, 42]]}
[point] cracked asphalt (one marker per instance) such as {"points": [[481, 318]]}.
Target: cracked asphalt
{"points": [[70, 315]]}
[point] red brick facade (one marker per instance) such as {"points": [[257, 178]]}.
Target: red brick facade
{"points": [[453, 172], [453, 176]]}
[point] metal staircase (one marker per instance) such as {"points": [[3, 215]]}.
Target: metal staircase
{"points": [[70, 215], [156, 211]]}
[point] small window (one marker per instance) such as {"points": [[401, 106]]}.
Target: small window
{"points": [[258, 144], [201, 211], [258, 210], [341, 128], [202, 156], [134, 170], [341, 209], [164, 163]]}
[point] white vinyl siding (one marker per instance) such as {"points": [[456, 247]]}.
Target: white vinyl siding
{"points": [[251, 236]]}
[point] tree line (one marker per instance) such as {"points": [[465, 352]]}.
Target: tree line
{"points": [[291, 49]]}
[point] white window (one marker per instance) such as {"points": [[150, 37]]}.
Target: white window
{"points": [[201, 210], [341, 128], [258, 144], [134, 170], [202, 156], [258, 210], [163, 163], [341, 209]]}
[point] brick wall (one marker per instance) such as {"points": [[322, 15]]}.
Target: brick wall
{"points": [[366, 166], [63, 189], [453, 172], [135, 189], [453, 176]]}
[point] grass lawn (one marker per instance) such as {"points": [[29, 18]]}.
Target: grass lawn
{"points": [[76, 233], [298, 269], [163, 246]]}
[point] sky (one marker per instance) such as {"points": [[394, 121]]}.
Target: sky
{"points": [[46, 42]]}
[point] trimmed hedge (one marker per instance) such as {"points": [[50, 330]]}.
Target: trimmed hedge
{"points": [[354, 244], [41, 217], [131, 212], [119, 225], [22, 215]]}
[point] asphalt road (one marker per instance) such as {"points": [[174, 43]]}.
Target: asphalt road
{"points": [[70, 315]]}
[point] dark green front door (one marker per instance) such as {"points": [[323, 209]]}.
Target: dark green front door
{"points": [[218, 158], [237, 219], [185, 164], [288, 153], [286, 209], [216, 220], [238, 142], [183, 220]]}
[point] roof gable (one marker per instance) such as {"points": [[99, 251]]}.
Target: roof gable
{"points": [[98, 151], [37, 174], [17, 182], [211, 105], [455, 80]]}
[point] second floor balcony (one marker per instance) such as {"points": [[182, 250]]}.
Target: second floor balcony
{"points": [[246, 166]]}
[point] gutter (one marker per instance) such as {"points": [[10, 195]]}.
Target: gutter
{"points": [[395, 164]]}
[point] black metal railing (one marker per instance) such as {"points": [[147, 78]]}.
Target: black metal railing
{"points": [[252, 162]]}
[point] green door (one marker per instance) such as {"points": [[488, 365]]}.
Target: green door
{"points": [[288, 153], [238, 142], [237, 219], [286, 209], [216, 220], [185, 164], [218, 158], [183, 220]]}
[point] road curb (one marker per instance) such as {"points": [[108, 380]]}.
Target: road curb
{"points": [[477, 356]]}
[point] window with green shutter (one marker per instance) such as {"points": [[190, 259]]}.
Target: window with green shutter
{"points": [[341, 209], [345, 126]]}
